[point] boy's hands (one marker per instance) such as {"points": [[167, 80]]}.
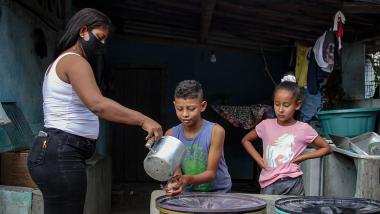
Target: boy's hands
{"points": [[176, 185]]}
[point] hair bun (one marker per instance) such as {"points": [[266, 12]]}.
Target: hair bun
{"points": [[289, 78]]}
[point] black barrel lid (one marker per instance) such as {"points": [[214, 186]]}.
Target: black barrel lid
{"points": [[210, 203], [321, 205]]}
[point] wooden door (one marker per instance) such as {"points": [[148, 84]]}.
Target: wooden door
{"points": [[142, 89]]}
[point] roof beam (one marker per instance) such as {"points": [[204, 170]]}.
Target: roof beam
{"points": [[191, 44], [368, 1], [360, 8], [208, 7], [368, 34]]}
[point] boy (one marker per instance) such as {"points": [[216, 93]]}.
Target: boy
{"points": [[203, 168]]}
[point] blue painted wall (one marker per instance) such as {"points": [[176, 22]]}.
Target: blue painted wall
{"points": [[237, 78], [21, 70]]}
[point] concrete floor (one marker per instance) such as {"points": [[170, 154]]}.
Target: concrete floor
{"points": [[134, 198]]}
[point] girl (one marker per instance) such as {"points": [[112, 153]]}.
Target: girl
{"points": [[284, 139]]}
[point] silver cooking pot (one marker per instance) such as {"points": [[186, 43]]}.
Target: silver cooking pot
{"points": [[164, 158]]}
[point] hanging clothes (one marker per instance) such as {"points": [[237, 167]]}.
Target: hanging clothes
{"points": [[339, 20], [321, 63], [324, 51], [311, 105], [312, 98], [302, 63], [292, 60], [315, 75], [329, 50], [246, 117]]}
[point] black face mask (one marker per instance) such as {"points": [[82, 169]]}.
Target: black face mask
{"points": [[94, 50], [92, 47]]}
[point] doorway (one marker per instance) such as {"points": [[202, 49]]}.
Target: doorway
{"points": [[141, 88]]}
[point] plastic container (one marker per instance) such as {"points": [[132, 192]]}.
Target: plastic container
{"points": [[316, 204], [210, 203], [348, 122], [316, 124]]}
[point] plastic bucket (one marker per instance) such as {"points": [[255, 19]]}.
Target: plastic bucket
{"points": [[316, 204], [210, 203], [348, 122]]}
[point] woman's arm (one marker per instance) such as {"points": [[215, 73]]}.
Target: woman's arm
{"points": [[247, 144], [323, 149], [81, 77]]}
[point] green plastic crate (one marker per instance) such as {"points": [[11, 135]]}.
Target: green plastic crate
{"points": [[348, 122]]}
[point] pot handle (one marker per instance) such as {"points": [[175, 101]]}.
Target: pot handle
{"points": [[149, 143]]}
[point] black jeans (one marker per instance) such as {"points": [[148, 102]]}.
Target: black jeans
{"points": [[56, 163]]}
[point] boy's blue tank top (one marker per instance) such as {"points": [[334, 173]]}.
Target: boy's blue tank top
{"points": [[195, 160]]}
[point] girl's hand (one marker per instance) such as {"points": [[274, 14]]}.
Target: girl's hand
{"points": [[298, 160], [262, 164], [323, 149]]}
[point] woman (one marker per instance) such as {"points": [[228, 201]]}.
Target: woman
{"points": [[72, 103]]}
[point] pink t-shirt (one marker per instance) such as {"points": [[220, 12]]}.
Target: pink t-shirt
{"points": [[281, 145]]}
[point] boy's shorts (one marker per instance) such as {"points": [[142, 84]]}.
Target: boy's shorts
{"points": [[285, 186]]}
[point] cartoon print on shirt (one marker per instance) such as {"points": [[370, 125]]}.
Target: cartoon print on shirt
{"points": [[281, 152], [195, 162]]}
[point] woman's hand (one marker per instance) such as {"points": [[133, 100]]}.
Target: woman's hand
{"points": [[153, 128]]}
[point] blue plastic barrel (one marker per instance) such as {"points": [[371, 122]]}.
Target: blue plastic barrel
{"points": [[210, 202], [348, 122], [321, 205]]}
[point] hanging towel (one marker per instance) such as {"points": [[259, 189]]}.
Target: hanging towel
{"points": [[339, 20], [328, 47], [339, 16], [324, 51], [318, 51], [302, 63]]}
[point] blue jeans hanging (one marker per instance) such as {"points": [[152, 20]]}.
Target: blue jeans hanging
{"points": [[311, 104]]}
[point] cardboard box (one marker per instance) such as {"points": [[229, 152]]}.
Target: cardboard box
{"points": [[14, 169]]}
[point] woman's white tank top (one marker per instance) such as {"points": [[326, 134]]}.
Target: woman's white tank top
{"points": [[63, 109]]}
